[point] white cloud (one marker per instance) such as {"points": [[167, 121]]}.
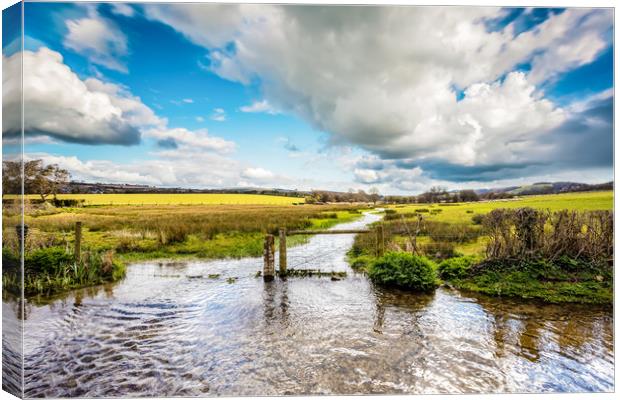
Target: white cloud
{"points": [[385, 78], [171, 172], [262, 106], [259, 174], [366, 175], [185, 141], [97, 38], [218, 115], [58, 103], [188, 101], [200, 119], [123, 9]]}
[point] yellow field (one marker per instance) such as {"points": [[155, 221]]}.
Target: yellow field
{"points": [[180, 198], [566, 201]]}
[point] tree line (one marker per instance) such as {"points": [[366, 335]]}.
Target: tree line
{"points": [[44, 180]]}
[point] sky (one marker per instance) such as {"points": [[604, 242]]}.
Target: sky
{"points": [[313, 97]]}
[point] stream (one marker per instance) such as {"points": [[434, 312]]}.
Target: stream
{"points": [[171, 329]]}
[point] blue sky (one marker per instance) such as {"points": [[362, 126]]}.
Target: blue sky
{"points": [[228, 96]]}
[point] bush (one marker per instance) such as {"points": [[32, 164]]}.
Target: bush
{"points": [[68, 202], [455, 268], [477, 219], [47, 260], [390, 211], [404, 270], [421, 210], [527, 233]]}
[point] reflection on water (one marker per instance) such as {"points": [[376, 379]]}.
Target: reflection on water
{"points": [[169, 329]]}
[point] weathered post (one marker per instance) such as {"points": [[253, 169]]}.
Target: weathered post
{"points": [[269, 258], [380, 240], [282, 252], [78, 241], [22, 233]]}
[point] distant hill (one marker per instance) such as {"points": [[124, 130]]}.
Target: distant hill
{"points": [[87, 187], [549, 188], [535, 188]]}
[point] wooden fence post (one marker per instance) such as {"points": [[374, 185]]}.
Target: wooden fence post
{"points": [[283, 252], [380, 240], [269, 258], [78, 241]]}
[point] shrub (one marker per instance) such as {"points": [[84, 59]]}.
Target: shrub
{"points": [[47, 260], [477, 219], [390, 211], [455, 268], [527, 233], [68, 202], [404, 270], [421, 210]]}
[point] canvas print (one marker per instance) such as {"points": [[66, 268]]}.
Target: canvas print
{"points": [[211, 199]]}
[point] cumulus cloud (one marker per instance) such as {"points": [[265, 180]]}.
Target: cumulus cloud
{"points": [[392, 82], [59, 104], [123, 9], [97, 38], [581, 142], [259, 174], [172, 172], [185, 141]]}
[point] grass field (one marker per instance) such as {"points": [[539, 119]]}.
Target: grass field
{"points": [[462, 212], [170, 231], [178, 198]]}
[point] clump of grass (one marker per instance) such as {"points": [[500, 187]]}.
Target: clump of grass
{"points": [[51, 270]]}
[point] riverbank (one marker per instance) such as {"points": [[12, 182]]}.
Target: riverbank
{"points": [[120, 235], [53, 270], [557, 257]]}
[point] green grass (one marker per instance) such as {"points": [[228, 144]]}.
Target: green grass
{"points": [[150, 232], [52, 270], [569, 281], [463, 212], [568, 201], [177, 198]]}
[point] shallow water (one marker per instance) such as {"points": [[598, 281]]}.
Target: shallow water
{"points": [[168, 329]]}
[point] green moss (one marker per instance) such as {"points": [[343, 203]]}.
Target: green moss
{"points": [[562, 281]]}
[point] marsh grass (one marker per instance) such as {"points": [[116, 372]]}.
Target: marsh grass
{"points": [[52, 270], [195, 231]]}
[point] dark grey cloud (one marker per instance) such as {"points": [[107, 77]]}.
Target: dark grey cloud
{"points": [[168, 143], [586, 139]]}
